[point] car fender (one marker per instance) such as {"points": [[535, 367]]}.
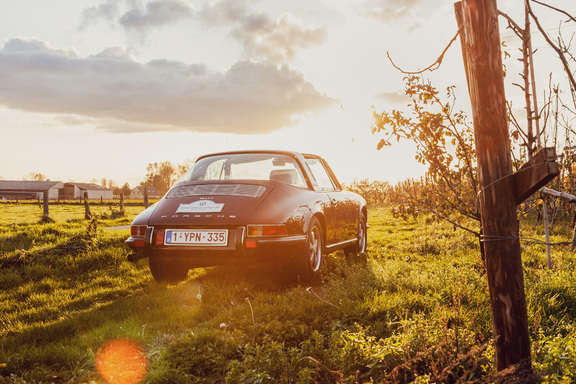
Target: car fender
{"points": [[144, 217]]}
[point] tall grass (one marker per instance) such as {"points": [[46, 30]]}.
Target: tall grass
{"points": [[414, 308]]}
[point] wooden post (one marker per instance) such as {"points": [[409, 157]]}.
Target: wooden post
{"points": [[566, 196], [546, 220], [121, 201], [145, 197], [480, 39], [573, 233], [87, 213], [46, 209], [535, 173]]}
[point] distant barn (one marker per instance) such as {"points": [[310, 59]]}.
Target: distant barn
{"points": [[138, 192], [27, 189], [72, 191]]}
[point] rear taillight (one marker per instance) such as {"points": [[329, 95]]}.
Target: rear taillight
{"points": [[138, 230], [266, 230], [160, 237]]}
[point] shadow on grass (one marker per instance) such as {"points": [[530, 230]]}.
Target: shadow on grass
{"points": [[63, 344]]}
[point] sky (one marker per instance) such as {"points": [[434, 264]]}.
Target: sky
{"points": [[100, 89]]}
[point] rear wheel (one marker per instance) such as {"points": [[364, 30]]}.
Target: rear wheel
{"points": [[362, 238], [309, 261], [165, 271]]}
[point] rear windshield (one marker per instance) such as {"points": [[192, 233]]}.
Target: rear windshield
{"points": [[247, 166]]}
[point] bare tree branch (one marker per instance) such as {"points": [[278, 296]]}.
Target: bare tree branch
{"points": [[512, 24], [556, 9], [551, 43], [434, 66], [515, 123]]}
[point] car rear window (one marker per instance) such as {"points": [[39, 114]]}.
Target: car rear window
{"points": [[275, 167]]}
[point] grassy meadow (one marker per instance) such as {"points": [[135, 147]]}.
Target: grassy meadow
{"points": [[414, 308]]}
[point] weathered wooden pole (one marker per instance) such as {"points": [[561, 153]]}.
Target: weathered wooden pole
{"points": [[45, 201], [87, 213], [480, 39], [145, 197]]}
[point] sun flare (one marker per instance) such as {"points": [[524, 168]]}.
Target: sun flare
{"points": [[122, 361]]}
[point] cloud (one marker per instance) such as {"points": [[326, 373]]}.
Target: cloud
{"points": [[107, 11], [135, 17], [16, 45], [156, 13], [260, 35], [399, 97], [400, 13], [119, 53], [278, 39], [248, 97], [219, 12]]}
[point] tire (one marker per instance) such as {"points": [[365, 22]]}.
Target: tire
{"points": [[167, 272], [362, 239], [309, 261]]}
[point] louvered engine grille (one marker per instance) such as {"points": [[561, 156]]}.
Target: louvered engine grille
{"points": [[217, 190]]}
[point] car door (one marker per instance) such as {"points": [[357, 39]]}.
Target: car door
{"points": [[347, 208], [337, 208]]}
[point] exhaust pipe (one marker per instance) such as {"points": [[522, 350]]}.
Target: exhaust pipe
{"points": [[134, 257]]}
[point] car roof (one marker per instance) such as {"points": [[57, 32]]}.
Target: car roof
{"points": [[263, 151], [298, 156]]}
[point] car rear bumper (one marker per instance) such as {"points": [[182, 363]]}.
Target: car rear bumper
{"points": [[239, 250]]}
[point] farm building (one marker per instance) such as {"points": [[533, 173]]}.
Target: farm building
{"points": [[26, 189], [138, 192], [72, 190]]}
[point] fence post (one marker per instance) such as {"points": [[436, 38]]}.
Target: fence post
{"points": [[46, 209], [145, 197], [574, 233], [87, 213], [480, 39], [546, 220]]}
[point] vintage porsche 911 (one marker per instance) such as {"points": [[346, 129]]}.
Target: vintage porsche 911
{"points": [[244, 207]]}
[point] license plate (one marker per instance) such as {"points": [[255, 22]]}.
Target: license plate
{"points": [[211, 237]]}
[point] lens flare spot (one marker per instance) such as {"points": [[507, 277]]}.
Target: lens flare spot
{"points": [[122, 361]]}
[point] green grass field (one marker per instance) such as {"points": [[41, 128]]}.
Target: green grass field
{"points": [[414, 308], [32, 213]]}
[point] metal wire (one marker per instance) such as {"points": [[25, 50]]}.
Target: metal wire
{"points": [[486, 238]]}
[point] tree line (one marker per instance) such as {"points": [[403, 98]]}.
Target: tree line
{"points": [[160, 175]]}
